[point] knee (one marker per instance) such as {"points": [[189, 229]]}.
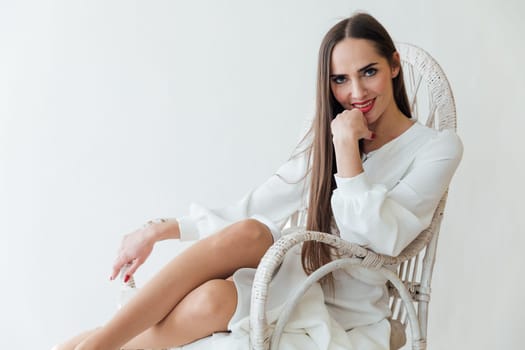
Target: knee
{"points": [[214, 298], [248, 233], [212, 302], [245, 242]]}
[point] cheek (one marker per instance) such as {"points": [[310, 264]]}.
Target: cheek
{"points": [[377, 87], [380, 86], [339, 94]]}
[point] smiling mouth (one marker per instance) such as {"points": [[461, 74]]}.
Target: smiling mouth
{"points": [[365, 106]]}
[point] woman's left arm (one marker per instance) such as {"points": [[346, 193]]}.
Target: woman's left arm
{"points": [[386, 221]]}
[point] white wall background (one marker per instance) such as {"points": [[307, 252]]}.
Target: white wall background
{"points": [[115, 112]]}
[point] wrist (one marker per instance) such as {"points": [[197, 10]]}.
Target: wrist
{"points": [[161, 229], [348, 160], [348, 141]]}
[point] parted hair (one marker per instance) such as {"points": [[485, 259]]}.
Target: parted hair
{"points": [[321, 152]]}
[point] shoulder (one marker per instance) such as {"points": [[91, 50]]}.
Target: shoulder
{"points": [[439, 145]]}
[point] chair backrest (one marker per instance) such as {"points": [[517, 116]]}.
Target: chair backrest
{"points": [[432, 103]]}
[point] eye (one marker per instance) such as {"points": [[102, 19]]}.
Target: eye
{"points": [[370, 72], [338, 79]]}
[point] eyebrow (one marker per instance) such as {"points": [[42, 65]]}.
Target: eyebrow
{"points": [[359, 70]]}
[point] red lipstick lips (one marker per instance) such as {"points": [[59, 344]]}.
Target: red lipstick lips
{"points": [[364, 106]]}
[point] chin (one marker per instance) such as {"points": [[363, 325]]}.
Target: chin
{"points": [[372, 118]]}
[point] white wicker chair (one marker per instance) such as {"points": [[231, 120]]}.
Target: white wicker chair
{"points": [[410, 287], [432, 103]]}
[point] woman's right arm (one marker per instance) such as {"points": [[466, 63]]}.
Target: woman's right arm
{"points": [[271, 203]]}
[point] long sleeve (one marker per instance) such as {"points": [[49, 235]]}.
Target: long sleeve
{"points": [[271, 203], [387, 216]]}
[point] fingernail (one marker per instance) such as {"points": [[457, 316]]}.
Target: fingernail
{"points": [[126, 279]]}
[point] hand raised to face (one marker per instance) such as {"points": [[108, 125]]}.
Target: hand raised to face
{"points": [[350, 126]]}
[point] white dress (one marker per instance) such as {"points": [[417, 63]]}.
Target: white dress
{"points": [[384, 208]]}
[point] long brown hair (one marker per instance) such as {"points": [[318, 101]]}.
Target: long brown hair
{"points": [[322, 155]]}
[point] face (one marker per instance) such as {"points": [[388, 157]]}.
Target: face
{"points": [[361, 78]]}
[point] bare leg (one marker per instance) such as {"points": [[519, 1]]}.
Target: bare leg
{"points": [[239, 245], [205, 310], [71, 343]]}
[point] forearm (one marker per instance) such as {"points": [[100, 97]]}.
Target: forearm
{"points": [[348, 158]]}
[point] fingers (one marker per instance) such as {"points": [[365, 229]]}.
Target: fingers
{"points": [[371, 135], [120, 264], [351, 125], [117, 266], [131, 270], [127, 268], [134, 250]]}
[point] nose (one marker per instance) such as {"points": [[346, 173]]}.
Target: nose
{"points": [[358, 90]]}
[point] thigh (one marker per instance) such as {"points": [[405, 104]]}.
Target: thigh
{"points": [[245, 242], [203, 311]]}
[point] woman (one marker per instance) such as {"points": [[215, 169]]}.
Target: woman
{"points": [[365, 171]]}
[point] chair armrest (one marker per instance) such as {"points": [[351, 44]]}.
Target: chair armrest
{"points": [[259, 331], [354, 255]]}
